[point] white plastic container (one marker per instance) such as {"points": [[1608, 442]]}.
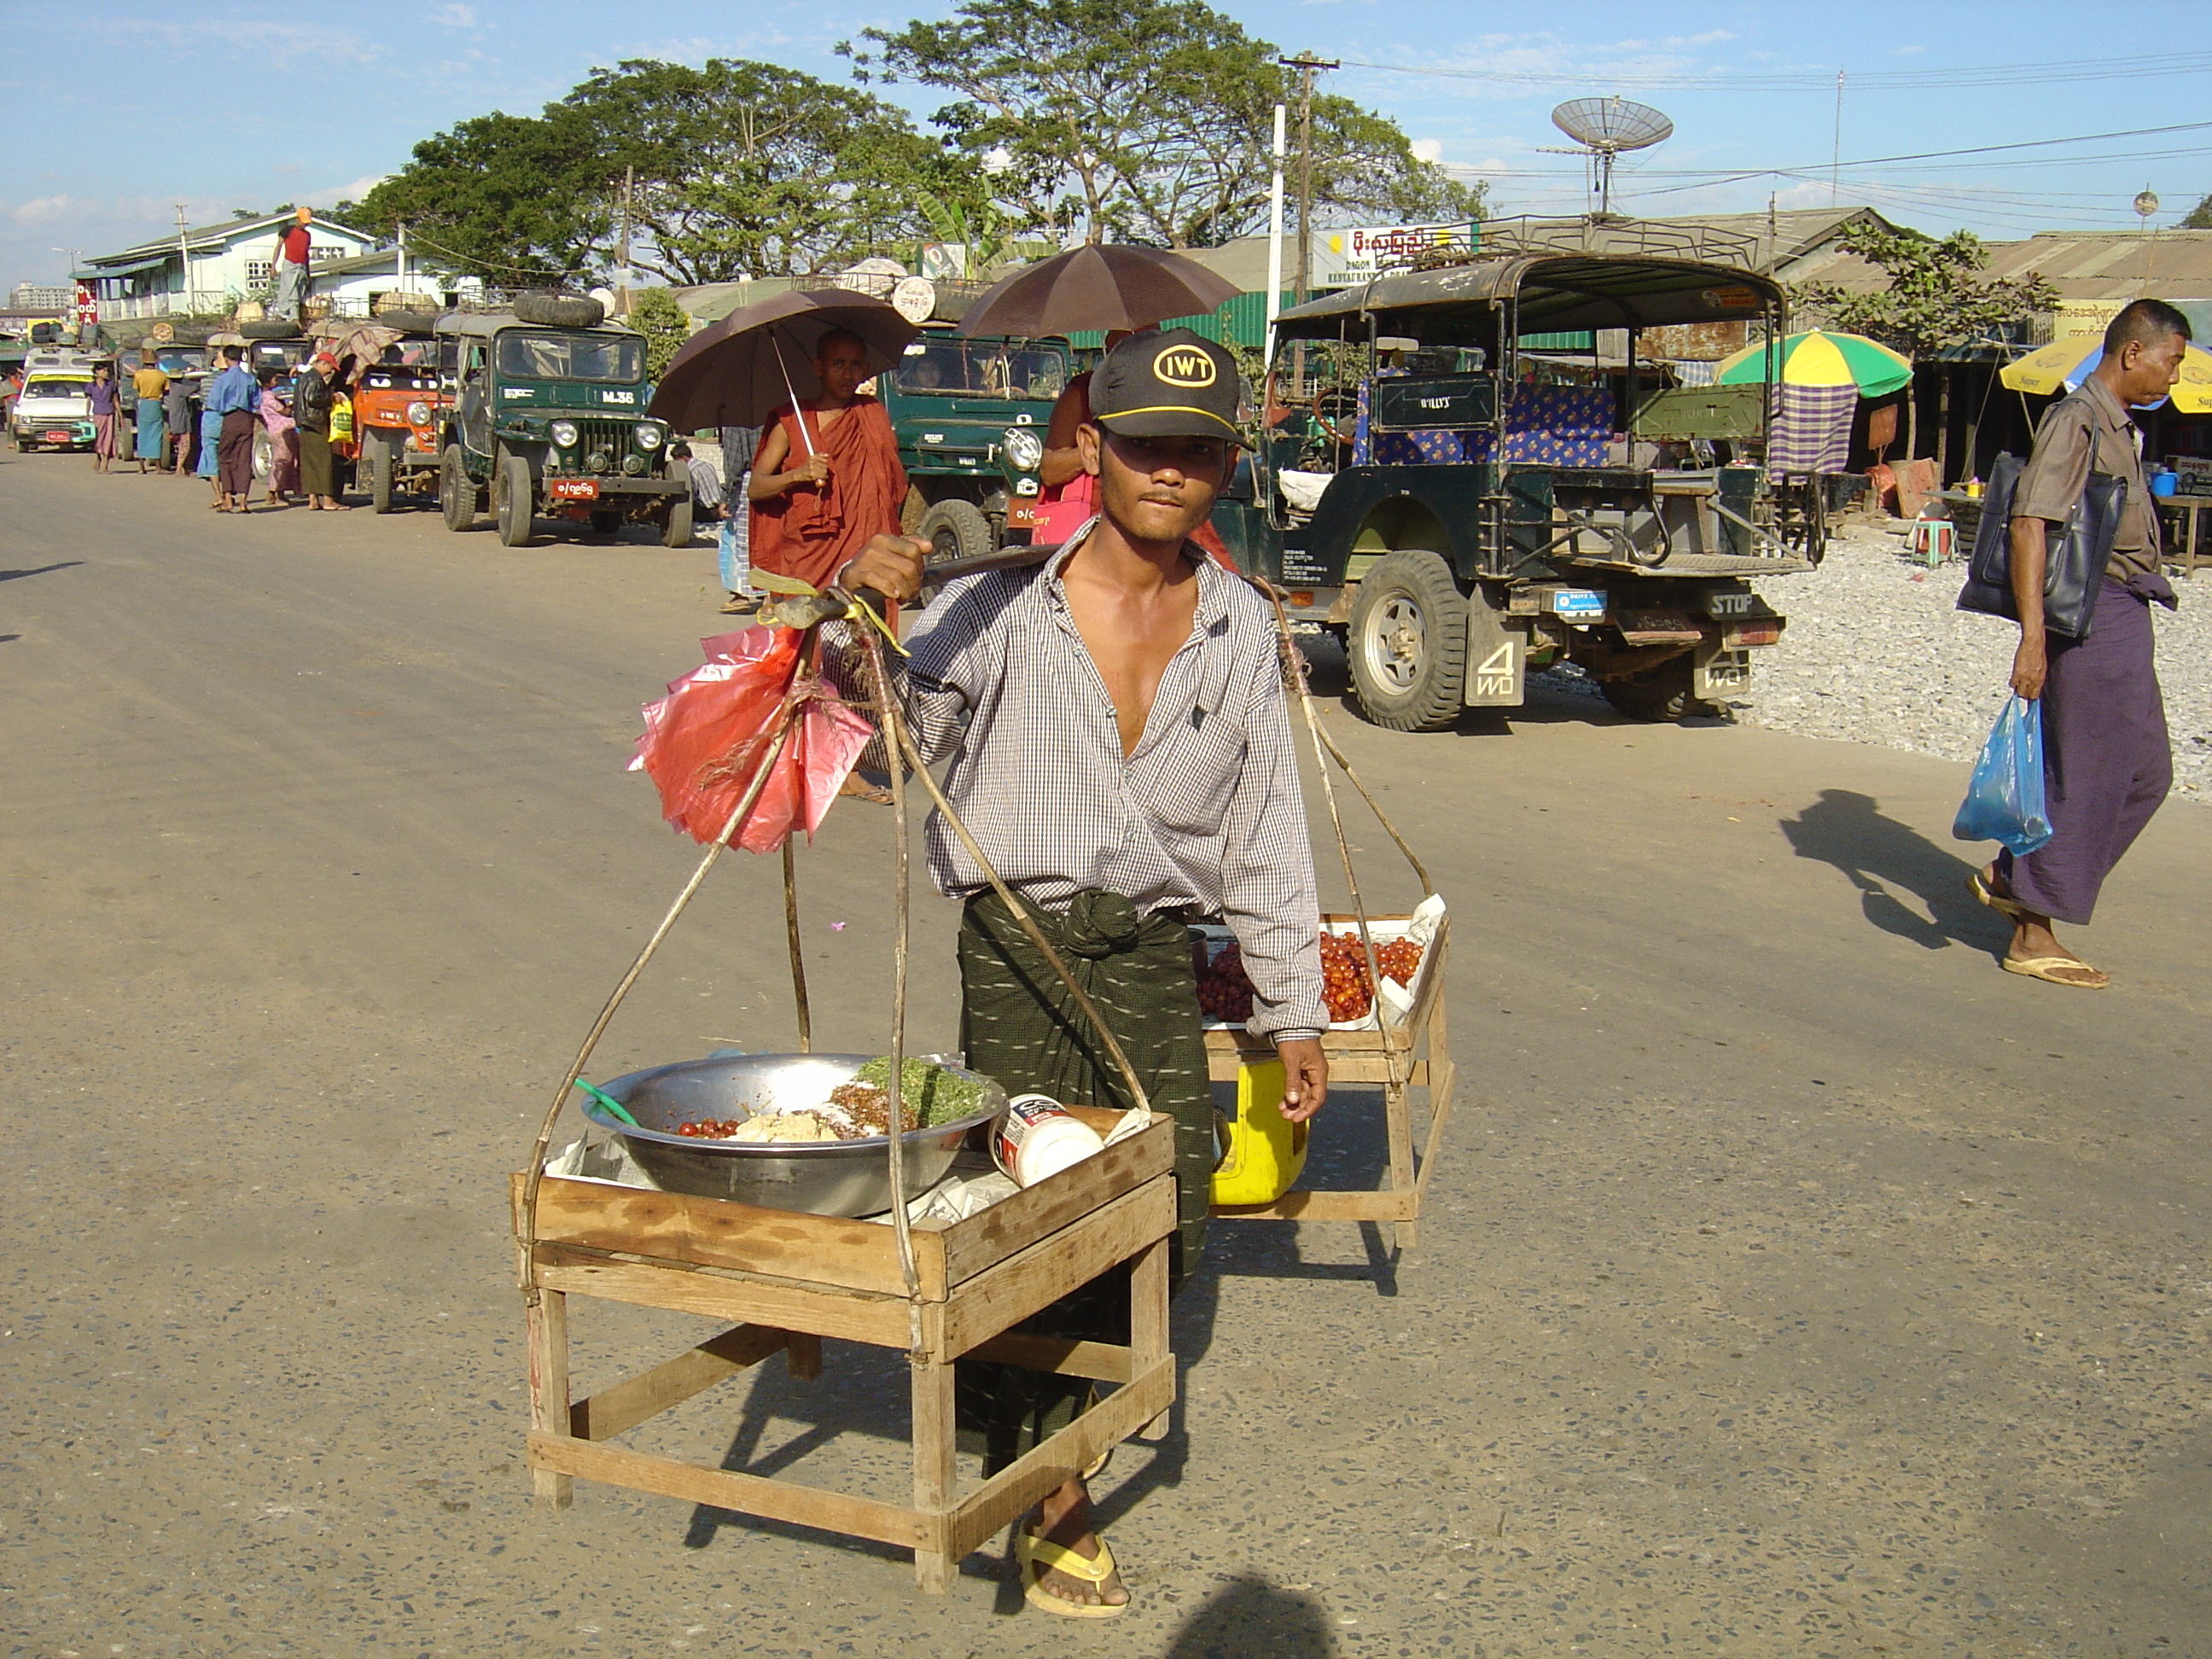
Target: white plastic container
{"points": [[1038, 1137]]}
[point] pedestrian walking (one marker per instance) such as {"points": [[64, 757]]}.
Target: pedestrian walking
{"points": [[283, 443], [2107, 759], [151, 385], [177, 422], [314, 392], [236, 397], [733, 543], [1119, 742], [210, 448], [105, 403]]}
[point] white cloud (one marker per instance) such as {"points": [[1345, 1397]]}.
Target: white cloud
{"points": [[347, 192], [267, 43], [455, 16], [1428, 149]]}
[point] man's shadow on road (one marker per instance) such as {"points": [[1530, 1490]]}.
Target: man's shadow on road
{"points": [[1876, 853]]}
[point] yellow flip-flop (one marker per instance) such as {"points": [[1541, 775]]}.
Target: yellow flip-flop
{"points": [[1033, 1552], [2041, 968], [2011, 909]]}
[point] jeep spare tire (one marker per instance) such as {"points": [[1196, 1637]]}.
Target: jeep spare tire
{"points": [[1407, 643], [280, 328], [408, 322], [559, 310]]}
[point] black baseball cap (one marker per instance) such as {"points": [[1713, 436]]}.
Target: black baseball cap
{"points": [[1175, 385]]}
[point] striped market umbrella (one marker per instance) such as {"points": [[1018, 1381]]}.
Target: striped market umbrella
{"points": [[2064, 364], [1817, 357]]}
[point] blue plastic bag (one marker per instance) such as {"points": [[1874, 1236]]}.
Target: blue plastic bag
{"points": [[2004, 798]]}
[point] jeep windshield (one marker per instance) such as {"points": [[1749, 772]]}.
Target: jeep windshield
{"points": [[53, 388], [610, 359], [982, 368]]}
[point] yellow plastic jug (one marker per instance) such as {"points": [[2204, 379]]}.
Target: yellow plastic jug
{"points": [[1265, 1151]]}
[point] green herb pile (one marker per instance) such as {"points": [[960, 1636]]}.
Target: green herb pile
{"points": [[931, 1094]]}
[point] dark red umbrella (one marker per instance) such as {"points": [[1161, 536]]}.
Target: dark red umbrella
{"points": [[741, 370], [1098, 286]]}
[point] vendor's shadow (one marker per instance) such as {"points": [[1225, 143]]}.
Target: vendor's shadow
{"points": [[1876, 853], [1252, 1619]]}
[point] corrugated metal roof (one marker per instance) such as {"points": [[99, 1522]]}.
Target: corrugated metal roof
{"points": [[2081, 265]]}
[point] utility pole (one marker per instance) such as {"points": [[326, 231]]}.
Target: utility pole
{"points": [[400, 282], [1275, 239], [622, 294], [1305, 63], [1836, 155], [184, 265]]}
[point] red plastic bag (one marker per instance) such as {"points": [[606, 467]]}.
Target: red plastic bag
{"points": [[704, 742]]}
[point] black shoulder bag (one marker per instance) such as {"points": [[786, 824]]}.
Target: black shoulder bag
{"points": [[2074, 559]]}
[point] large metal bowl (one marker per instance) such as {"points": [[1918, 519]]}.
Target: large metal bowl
{"points": [[836, 1177]]}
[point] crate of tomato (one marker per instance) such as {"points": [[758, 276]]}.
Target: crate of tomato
{"points": [[1405, 949]]}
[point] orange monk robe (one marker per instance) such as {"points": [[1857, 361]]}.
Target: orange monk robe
{"points": [[811, 530]]}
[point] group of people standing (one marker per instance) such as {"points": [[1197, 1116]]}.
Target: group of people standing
{"points": [[235, 402]]}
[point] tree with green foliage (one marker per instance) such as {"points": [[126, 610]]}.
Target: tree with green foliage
{"points": [[654, 313], [518, 200], [730, 169], [750, 169], [1934, 297], [1143, 120], [2200, 216]]}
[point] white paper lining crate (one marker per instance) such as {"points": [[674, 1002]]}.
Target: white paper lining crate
{"points": [[1416, 1054], [789, 1279]]}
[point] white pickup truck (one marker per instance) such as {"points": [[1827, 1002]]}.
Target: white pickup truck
{"points": [[54, 409]]}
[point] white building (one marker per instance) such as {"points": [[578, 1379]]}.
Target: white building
{"points": [[355, 285], [208, 270]]}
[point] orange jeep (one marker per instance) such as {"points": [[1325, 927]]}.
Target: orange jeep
{"points": [[396, 406]]}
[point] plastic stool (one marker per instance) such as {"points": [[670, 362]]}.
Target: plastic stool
{"points": [[1932, 539]]}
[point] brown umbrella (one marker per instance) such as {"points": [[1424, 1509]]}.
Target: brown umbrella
{"points": [[741, 370], [1101, 286]]}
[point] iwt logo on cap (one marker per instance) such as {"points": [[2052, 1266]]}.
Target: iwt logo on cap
{"points": [[1184, 366]]}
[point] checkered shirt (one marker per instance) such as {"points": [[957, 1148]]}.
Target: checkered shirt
{"points": [[1207, 813]]}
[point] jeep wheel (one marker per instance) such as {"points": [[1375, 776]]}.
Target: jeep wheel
{"points": [[957, 530], [457, 492], [676, 527], [606, 524], [377, 464], [1656, 693], [264, 454], [1407, 643], [514, 500]]}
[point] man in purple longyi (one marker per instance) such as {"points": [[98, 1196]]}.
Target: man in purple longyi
{"points": [[2107, 760]]}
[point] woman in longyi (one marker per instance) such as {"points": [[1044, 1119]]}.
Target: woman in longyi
{"points": [[819, 494]]}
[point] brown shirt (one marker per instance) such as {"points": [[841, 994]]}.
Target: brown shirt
{"points": [[2089, 431]]}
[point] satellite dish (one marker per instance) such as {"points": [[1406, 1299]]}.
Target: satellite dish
{"points": [[1607, 126]]}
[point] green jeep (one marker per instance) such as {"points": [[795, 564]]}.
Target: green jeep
{"points": [[549, 422], [970, 416], [1445, 481]]}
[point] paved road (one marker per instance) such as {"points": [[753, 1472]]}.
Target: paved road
{"points": [[1796, 1282]]}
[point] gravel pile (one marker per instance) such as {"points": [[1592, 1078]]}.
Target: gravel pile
{"points": [[1876, 654]]}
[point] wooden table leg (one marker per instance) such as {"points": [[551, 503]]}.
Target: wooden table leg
{"points": [[934, 1476], [802, 1356], [548, 1341], [1398, 1125], [1148, 1318]]}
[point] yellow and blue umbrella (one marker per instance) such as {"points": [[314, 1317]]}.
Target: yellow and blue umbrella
{"points": [[2064, 364], [1817, 357]]}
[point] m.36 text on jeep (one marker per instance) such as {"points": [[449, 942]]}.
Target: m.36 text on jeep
{"points": [[549, 421], [1460, 501]]}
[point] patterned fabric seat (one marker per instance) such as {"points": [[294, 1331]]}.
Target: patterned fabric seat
{"points": [[1553, 425]]}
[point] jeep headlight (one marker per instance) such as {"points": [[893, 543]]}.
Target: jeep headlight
{"points": [[564, 435], [1024, 448], [648, 435], [418, 413]]}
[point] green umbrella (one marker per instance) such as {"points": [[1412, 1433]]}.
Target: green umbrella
{"points": [[1819, 358]]}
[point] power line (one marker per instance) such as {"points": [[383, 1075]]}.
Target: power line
{"points": [[1999, 74]]}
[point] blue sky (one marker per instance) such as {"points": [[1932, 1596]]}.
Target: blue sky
{"points": [[245, 106]]}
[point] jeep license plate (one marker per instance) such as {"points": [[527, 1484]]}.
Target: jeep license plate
{"points": [[1021, 514], [71, 437], [573, 489], [1577, 601]]}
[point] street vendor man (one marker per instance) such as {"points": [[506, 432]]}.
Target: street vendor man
{"points": [[1119, 742]]}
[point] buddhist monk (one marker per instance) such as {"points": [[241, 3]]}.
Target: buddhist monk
{"points": [[818, 497]]}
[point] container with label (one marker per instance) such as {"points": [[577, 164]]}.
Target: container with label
{"points": [[1038, 1137]]}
